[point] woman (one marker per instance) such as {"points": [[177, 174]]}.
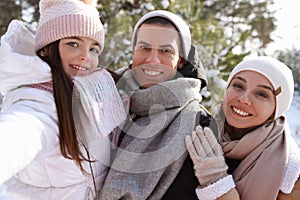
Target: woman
{"points": [[59, 109], [259, 151]]}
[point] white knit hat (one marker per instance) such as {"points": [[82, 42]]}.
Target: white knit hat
{"points": [[178, 22], [68, 18], [277, 73]]}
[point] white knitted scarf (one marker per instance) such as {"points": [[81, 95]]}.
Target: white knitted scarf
{"points": [[97, 110]]}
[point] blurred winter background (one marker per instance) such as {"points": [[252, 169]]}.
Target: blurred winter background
{"points": [[226, 31], [287, 36]]}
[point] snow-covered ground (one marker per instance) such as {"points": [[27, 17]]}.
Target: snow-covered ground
{"points": [[292, 116]]}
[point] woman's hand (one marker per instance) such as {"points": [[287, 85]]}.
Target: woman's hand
{"points": [[207, 156]]}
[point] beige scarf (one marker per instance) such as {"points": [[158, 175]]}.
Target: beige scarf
{"points": [[263, 153]]}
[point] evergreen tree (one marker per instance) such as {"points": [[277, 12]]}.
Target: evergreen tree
{"points": [[9, 10], [292, 59]]}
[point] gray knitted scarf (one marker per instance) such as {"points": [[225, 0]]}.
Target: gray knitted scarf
{"points": [[153, 150]]}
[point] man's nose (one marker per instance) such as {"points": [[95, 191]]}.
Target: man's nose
{"points": [[153, 57]]}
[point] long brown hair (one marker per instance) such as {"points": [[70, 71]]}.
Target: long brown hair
{"points": [[62, 91]]}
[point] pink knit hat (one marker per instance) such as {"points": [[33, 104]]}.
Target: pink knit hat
{"points": [[68, 18]]}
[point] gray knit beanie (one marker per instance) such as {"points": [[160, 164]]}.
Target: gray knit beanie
{"points": [[181, 26], [277, 73]]}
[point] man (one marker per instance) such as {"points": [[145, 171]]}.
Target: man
{"points": [[163, 83]]}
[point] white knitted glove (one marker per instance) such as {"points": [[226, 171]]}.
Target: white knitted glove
{"points": [[207, 156]]}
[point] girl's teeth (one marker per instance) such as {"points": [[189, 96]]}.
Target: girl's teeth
{"points": [[151, 73], [240, 112], [79, 68]]}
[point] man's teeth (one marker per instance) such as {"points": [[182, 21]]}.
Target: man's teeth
{"points": [[78, 67], [240, 112], [151, 73]]}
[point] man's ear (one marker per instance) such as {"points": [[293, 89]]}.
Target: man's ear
{"points": [[133, 51], [181, 63]]}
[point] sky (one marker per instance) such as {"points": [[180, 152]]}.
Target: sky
{"points": [[287, 34]]}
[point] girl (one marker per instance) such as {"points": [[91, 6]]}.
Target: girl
{"points": [[58, 108]]}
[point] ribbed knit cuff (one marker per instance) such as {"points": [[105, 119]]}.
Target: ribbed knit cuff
{"points": [[292, 169], [217, 189]]}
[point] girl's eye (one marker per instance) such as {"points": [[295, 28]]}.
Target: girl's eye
{"points": [[73, 44], [95, 50]]}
